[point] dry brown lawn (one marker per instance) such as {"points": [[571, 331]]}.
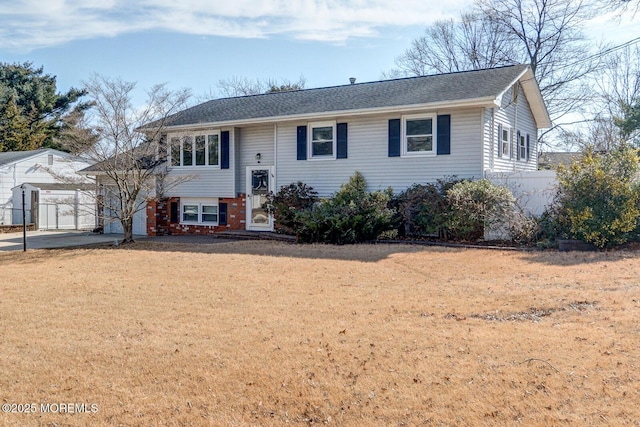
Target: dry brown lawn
{"points": [[263, 333]]}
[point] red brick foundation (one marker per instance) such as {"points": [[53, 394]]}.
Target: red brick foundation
{"points": [[159, 218]]}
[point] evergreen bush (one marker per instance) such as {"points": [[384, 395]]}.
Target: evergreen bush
{"points": [[288, 203], [352, 215]]}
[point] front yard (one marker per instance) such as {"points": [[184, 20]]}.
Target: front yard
{"points": [[264, 333]]}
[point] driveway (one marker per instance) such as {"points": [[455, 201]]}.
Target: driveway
{"points": [[56, 239]]}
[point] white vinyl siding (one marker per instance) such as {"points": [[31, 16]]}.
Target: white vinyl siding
{"points": [[368, 154], [515, 117], [254, 140], [489, 131]]}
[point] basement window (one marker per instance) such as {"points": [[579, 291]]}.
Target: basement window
{"points": [[199, 211]]}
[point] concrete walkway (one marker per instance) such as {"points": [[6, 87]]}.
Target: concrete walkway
{"points": [[57, 239]]}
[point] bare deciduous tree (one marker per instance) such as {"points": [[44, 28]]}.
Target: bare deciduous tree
{"points": [[547, 34], [616, 89], [243, 86], [471, 43], [599, 134], [623, 7], [619, 86], [130, 152]]}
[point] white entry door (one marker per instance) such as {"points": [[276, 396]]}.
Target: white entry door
{"points": [[259, 184]]}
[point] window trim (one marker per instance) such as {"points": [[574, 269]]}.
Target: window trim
{"points": [[504, 143], [200, 203], [404, 149], [334, 145], [522, 147], [193, 136]]}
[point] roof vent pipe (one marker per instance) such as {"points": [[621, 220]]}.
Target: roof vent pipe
{"points": [[352, 80]]}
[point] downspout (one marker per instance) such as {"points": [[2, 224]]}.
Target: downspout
{"points": [[275, 169], [514, 133], [483, 141], [492, 141], [77, 208], [275, 156]]}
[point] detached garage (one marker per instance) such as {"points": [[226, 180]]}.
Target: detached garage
{"points": [[55, 206], [52, 186]]}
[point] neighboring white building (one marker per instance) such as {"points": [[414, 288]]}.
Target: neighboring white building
{"points": [[61, 197]]}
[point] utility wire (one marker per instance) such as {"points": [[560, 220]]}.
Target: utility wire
{"points": [[613, 49]]}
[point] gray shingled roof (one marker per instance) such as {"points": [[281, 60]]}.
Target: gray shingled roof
{"points": [[9, 157], [382, 94], [553, 160]]}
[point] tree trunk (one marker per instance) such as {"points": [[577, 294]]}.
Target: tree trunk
{"points": [[127, 226]]}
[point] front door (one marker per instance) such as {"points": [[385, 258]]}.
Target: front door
{"points": [[259, 184]]}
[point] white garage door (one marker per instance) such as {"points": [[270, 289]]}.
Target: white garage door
{"points": [[139, 224]]}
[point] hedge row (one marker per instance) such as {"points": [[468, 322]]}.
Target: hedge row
{"points": [[598, 201], [450, 209]]}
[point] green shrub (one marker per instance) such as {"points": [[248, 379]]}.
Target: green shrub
{"points": [[352, 215], [288, 202], [476, 205], [598, 201], [424, 208]]}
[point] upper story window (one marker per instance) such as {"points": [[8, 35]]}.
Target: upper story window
{"points": [[187, 151], [322, 141], [419, 135], [200, 149], [522, 147], [504, 141]]}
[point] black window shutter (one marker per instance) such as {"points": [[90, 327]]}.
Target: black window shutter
{"points": [[302, 143], [528, 152], [444, 134], [394, 138], [342, 141], [224, 150], [222, 214], [518, 146], [173, 214]]}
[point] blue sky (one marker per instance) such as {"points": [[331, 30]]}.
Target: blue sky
{"points": [[196, 43]]}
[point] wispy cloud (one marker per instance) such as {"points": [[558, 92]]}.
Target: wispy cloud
{"points": [[32, 24]]}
